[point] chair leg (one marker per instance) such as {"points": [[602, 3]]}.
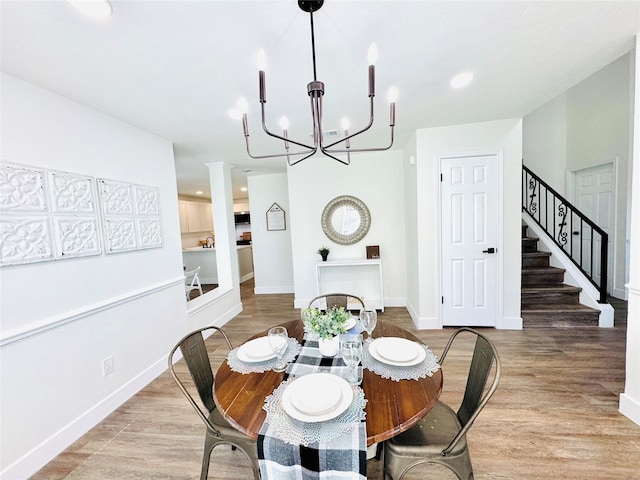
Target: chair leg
{"points": [[460, 465], [209, 443]]}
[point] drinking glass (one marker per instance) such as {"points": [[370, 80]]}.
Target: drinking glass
{"points": [[351, 351], [368, 318], [278, 343], [304, 316]]}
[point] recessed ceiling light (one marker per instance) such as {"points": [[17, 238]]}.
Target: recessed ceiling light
{"points": [[462, 80], [244, 189], [96, 9], [199, 192]]}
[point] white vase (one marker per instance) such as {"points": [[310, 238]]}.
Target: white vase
{"points": [[329, 346]]}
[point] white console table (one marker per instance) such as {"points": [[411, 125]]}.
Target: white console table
{"points": [[358, 276]]}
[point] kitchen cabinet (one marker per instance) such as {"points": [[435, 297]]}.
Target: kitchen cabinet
{"points": [[195, 216]]}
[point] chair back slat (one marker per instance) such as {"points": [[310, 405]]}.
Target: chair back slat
{"points": [[330, 300], [336, 301], [196, 357], [481, 362]]}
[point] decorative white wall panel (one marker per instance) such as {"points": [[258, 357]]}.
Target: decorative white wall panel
{"points": [[46, 215], [131, 216], [52, 215]]}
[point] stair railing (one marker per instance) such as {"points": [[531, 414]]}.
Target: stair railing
{"points": [[583, 242]]}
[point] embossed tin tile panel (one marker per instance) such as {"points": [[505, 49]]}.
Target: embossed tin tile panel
{"points": [[46, 215], [74, 214], [52, 215], [22, 189], [120, 235], [131, 216], [25, 239], [72, 193], [76, 236]]}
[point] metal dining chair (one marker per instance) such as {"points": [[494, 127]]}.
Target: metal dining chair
{"points": [[440, 437], [218, 430], [330, 300]]}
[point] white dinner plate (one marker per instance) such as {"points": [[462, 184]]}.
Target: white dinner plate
{"points": [[397, 351], [350, 323], [317, 397], [256, 350]]}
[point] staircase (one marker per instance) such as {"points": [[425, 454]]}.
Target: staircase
{"points": [[545, 299]]}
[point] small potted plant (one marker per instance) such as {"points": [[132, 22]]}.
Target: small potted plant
{"points": [[324, 253], [328, 326]]}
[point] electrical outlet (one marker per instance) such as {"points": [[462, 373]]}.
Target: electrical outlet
{"points": [[107, 366]]}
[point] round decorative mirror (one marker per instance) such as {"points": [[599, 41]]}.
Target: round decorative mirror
{"points": [[346, 220]]}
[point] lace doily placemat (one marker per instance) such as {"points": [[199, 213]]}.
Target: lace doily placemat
{"points": [[423, 369], [237, 365], [296, 432]]}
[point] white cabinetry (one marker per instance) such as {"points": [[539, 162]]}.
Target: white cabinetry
{"points": [[241, 207], [195, 216]]}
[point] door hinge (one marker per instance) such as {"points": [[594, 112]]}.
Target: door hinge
{"points": [[442, 300], [441, 177]]}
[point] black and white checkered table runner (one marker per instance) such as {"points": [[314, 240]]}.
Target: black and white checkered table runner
{"points": [[340, 459]]}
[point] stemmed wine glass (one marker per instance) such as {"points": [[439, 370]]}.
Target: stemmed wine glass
{"points": [[351, 351], [278, 343], [368, 318], [304, 316]]}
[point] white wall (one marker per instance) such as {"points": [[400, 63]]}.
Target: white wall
{"points": [[411, 226], [599, 128], [273, 268], [374, 178], [61, 319], [501, 137], [630, 399], [544, 142], [588, 125]]}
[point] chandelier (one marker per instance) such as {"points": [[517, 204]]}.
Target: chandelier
{"points": [[316, 92]]}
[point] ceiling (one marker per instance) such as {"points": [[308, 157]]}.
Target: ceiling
{"points": [[175, 68]]}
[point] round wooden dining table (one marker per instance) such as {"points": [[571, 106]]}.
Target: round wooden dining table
{"points": [[392, 407]]}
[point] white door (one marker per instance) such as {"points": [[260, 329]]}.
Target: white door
{"points": [[594, 190], [469, 200]]}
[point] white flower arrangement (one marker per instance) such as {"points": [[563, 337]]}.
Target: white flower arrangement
{"points": [[327, 325]]}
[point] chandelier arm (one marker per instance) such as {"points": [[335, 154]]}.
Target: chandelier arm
{"points": [[275, 155], [344, 162], [301, 159], [285, 139], [358, 150], [323, 147]]}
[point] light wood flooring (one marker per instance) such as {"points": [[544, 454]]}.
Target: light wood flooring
{"points": [[554, 416]]}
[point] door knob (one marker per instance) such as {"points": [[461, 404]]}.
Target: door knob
{"points": [[489, 250]]}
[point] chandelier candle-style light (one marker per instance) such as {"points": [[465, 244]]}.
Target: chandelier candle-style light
{"points": [[316, 92]]}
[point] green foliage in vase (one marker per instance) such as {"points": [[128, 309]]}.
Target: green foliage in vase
{"points": [[323, 251], [327, 325]]}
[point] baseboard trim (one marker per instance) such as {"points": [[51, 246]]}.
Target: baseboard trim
{"points": [[273, 290], [46, 451], [630, 408], [43, 453], [510, 323], [620, 293], [246, 277], [429, 323], [395, 302]]}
